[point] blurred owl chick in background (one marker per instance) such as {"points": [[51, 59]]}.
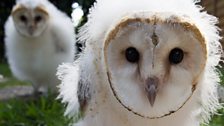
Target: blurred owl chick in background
{"points": [[146, 63], [38, 37]]}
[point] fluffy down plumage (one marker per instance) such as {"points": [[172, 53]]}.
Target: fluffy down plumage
{"points": [[90, 69], [36, 58]]}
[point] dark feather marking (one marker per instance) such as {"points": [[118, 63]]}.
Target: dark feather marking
{"points": [[84, 94]]}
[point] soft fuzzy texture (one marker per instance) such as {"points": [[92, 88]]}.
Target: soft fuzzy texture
{"points": [[101, 19], [36, 59]]}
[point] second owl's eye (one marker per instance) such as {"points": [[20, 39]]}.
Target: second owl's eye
{"points": [[176, 56], [38, 18], [23, 18], [132, 55]]}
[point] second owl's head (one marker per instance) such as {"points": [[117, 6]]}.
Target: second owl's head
{"points": [[30, 17]]}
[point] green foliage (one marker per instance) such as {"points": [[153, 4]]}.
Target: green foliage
{"points": [[221, 71], [4, 70], [11, 81], [32, 111], [42, 111], [218, 120]]}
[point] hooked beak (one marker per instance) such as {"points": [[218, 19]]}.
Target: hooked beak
{"points": [[151, 87]]}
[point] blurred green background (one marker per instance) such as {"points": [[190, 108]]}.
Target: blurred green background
{"points": [[45, 110]]}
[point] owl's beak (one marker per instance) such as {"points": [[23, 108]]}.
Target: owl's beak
{"points": [[151, 88], [31, 30]]}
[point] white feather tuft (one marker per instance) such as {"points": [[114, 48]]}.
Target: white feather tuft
{"points": [[69, 76]]}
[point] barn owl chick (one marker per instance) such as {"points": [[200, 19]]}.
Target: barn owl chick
{"points": [[146, 63], [38, 38]]}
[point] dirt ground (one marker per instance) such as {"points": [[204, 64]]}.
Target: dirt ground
{"points": [[15, 91]]}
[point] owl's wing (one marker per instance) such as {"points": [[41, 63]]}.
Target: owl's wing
{"points": [[75, 88], [62, 31], [59, 47], [69, 75]]}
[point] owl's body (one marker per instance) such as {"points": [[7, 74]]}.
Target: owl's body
{"points": [[145, 64], [34, 54]]}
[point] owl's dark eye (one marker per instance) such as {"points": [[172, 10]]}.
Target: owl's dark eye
{"points": [[23, 18], [176, 56], [132, 55], [38, 18]]}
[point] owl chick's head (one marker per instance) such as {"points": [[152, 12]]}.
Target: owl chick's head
{"points": [[155, 57], [154, 62], [30, 17]]}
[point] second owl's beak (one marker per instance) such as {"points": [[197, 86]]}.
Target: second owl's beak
{"points": [[151, 88]]}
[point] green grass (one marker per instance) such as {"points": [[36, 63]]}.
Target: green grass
{"points": [[39, 111], [4, 70], [11, 81], [222, 76], [218, 120], [42, 111]]}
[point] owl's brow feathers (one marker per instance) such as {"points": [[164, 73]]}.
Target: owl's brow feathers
{"points": [[20, 7], [17, 8], [173, 20]]}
